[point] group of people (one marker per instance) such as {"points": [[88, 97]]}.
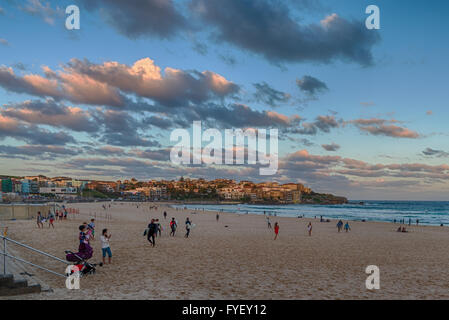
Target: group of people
{"points": [[85, 250], [50, 218], [154, 229], [340, 227]]}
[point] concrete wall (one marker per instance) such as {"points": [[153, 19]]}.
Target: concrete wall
{"points": [[21, 211]]}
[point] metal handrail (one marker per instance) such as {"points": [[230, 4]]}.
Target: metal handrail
{"points": [[33, 249], [5, 254]]}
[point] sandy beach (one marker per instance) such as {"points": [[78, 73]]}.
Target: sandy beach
{"points": [[236, 257]]}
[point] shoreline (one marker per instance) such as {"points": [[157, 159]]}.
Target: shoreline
{"points": [[302, 216]]}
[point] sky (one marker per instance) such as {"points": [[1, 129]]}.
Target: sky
{"points": [[360, 113]]}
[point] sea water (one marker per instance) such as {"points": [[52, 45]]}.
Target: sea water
{"points": [[427, 212]]}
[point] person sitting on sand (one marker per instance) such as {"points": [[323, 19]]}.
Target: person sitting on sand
{"points": [[404, 230], [399, 229], [347, 227], [309, 229], [173, 226], [105, 247], [276, 230]]}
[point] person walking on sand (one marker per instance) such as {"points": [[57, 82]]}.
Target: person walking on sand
{"points": [[309, 229], [51, 219], [276, 230], [347, 227], [173, 226], [105, 247], [268, 223], [152, 229], [165, 214], [39, 220], [159, 228], [217, 217], [339, 225], [188, 227]]}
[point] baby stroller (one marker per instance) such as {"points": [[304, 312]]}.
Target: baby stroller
{"points": [[81, 263]]}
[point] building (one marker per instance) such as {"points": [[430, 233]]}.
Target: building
{"points": [[7, 186], [58, 190], [25, 186]]}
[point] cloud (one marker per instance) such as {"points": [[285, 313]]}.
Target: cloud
{"points": [[173, 88], [321, 123], [331, 147], [240, 116], [32, 134], [37, 151], [43, 10], [270, 96], [49, 112], [311, 85], [108, 83], [121, 129], [384, 127], [437, 153], [267, 28], [141, 18]]}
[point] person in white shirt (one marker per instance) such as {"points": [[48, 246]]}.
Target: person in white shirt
{"points": [[105, 246]]}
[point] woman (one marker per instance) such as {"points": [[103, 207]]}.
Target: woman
{"points": [[85, 251], [309, 229], [276, 230], [105, 247]]}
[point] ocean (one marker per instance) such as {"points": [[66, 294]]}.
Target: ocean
{"points": [[428, 212]]}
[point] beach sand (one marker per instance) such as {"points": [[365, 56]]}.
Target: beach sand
{"points": [[236, 258]]}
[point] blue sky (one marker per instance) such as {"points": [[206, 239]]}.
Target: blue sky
{"points": [[379, 99]]}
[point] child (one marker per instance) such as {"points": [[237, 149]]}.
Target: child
{"points": [[39, 220], [105, 248], [347, 228], [51, 219], [91, 227], [309, 229]]}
